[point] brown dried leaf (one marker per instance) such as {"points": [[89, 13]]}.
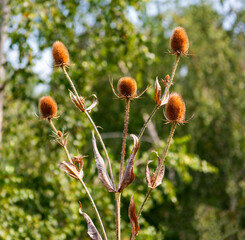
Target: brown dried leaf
{"points": [[92, 230], [71, 170], [100, 164], [152, 181], [157, 92], [133, 218], [128, 176], [93, 104], [78, 102]]}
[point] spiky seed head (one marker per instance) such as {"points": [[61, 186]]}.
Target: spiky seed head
{"points": [[60, 54], [127, 87], [47, 107], [179, 41], [175, 109]]}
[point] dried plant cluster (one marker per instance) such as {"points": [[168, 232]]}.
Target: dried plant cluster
{"points": [[127, 90]]}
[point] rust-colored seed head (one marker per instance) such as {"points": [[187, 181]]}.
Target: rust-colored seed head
{"points": [[179, 41], [47, 107], [175, 109], [60, 54], [127, 87]]}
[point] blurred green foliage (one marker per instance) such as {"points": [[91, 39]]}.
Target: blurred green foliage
{"points": [[199, 199]]}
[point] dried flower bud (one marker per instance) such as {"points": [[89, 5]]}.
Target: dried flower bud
{"points": [[60, 54], [47, 107], [127, 87], [60, 134], [175, 109], [179, 41]]}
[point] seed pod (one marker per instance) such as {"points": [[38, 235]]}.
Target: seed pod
{"points": [[179, 41], [175, 109], [47, 107], [60, 54], [127, 87]]}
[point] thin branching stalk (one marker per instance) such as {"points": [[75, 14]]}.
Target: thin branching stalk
{"points": [[165, 95], [160, 167], [124, 139], [80, 179], [94, 126], [118, 216]]}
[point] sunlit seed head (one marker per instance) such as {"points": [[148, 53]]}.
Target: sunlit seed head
{"points": [[179, 41], [47, 107], [60, 54], [127, 87], [175, 109]]}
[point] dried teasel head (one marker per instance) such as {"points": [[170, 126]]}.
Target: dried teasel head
{"points": [[179, 41], [47, 107], [60, 54], [127, 87], [175, 109]]}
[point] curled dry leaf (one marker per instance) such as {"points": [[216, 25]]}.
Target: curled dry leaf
{"points": [[152, 181], [128, 176], [133, 218], [93, 104], [160, 101], [158, 91], [92, 230], [100, 164], [79, 103], [71, 170]]}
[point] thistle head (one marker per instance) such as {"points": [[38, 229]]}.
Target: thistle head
{"points": [[127, 87], [47, 107], [60, 54], [179, 41], [175, 109]]}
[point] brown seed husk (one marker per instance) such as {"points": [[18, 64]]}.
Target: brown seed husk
{"points": [[127, 87], [175, 109], [47, 107], [179, 41], [60, 54]]}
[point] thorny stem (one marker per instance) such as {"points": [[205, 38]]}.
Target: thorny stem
{"points": [[118, 223], [124, 139], [164, 96], [160, 167], [94, 126], [80, 179]]}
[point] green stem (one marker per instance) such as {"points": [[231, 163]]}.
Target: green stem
{"points": [[80, 179], [94, 126], [118, 223], [124, 139], [160, 167], [164, 96]]}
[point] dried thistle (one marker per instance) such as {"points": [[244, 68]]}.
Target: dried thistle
{"points": [[127, 87], [179, 41], [60, 54], [47, 107], [175, 109]]}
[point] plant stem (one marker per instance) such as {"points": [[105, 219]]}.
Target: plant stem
{"points": [[80, 179], [118, 223], [124, 139], [164, 96], [94, 126], [160, 167], [61, 139]]}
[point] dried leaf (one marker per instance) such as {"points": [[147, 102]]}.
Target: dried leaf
{"points": [[157, 92], [164, 100], [128, 176], [100, 164], [78, 102], [133, 218], [92, 230], [152, 181], [71, 170], [93, 104]]}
